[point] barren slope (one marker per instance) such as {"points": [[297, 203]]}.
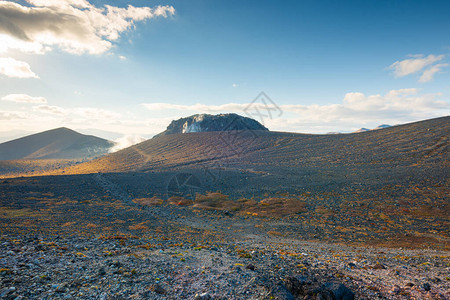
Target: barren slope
{"points": [[60, 143], [420, 143]]}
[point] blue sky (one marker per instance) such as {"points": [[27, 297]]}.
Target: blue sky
{"points": [[328, 65]]}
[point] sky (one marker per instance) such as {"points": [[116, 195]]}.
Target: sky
{"points": [[127, 68]]}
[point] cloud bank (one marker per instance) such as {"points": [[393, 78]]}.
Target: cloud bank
{"points": [[395, 101], [24, 98], [75, 26], [355, 110], [50, 109]]}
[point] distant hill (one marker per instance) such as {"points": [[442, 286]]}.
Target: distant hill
{"points": [[60, 143], [376, 128], [362, 130], [207, 123], [382, 127]]}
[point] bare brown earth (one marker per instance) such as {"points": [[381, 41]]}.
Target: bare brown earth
{"points": [[192, 213]]}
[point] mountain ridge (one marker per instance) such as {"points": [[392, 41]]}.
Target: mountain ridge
{"points": [[58, 143]]}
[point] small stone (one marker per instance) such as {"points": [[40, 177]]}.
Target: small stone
{"points": [[426, 286], [159, 289], [61, 288], [202, 296], [103, 296], [378, 266], [340, 291], [7, 291], [250, 267], [396, 289], [296, 285], [76, 283], [325, 295], [116, 264], [410, 284], [101, 271], [352, 265]]}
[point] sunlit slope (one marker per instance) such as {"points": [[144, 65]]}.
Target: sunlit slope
{"points": [[419, 143]]}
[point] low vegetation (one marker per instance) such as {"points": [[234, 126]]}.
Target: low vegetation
{"points": [[148, 201]]}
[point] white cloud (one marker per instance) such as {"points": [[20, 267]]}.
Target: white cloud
{"points": [[42, 117], [50, 109], [126, 141], [23, 98], [86, 113], [122, 57], [12, 115], [75, 26], [15, 68], [93, 113], [428, 74], [419, 64], [414, 65]]}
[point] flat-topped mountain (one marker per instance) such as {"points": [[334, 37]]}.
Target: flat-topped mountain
{"points": [[60, 143], [206, 123]]}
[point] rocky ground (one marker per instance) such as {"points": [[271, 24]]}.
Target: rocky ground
{"points": [[130, 267], [107, 236]]}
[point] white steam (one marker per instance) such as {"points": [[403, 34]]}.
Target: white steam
{"points": [[126, 141]]}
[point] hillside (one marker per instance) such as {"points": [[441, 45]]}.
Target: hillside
{"points": [[60, 143], [419, 143]]}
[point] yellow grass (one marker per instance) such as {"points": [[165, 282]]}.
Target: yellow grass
{"points": [[215, 200], [148, 201], [7, 212], [175, 200], [140, 226], [274, 207]]}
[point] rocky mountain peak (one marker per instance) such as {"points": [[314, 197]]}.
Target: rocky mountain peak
{"points": [[206, 122]]}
